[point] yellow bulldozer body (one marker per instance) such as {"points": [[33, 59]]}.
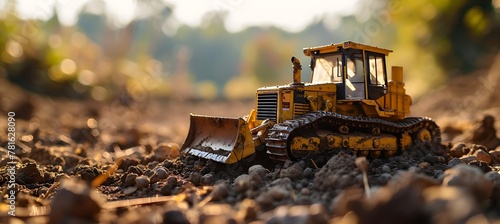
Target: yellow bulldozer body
{"points": [[348, 79]]}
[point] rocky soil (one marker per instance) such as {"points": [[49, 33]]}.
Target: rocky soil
{"points": [[86, 162]]}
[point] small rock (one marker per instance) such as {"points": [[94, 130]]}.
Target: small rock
{"points": [[315, 213], [87, 173], [403, 165], [432, 159], [135, 169], [471, 179], [307, 172], [60, 177], [278, 193], [195, 178], [249, 210], [384, 178], [293, 172], [129, 190], [242, 182], [152, 164], [166, 190], [207, 179], [481, 165], [305, 191], [424, 165], [468, 159], [449, 204], [376, 163], [142, 182], [258, 169], [216, 213], [219, 191], [483, 156], [130, 179], [154, 179], [172, 181], [166, 151], [255, 181], [29, 173], [174, 217], [385, 169], [75, 199], [161, 173], [458, 150], [264, 200], [455, 161], [495, 156], [494, 177], [168, 164]]}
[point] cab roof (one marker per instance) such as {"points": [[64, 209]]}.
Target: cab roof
{"points": [[344, 45]]}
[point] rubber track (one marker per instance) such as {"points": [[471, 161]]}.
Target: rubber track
{"points": [[278, 137]]}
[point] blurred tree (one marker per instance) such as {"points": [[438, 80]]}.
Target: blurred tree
{"points": [[459, 34], [435, 39]]}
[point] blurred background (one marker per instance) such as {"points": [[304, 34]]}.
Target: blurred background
{"points": [[225, 49]]}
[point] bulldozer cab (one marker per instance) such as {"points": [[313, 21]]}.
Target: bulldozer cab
{"points": [[358, 71]]}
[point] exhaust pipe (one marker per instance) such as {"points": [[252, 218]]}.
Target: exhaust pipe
{"points": [[297, 71]]}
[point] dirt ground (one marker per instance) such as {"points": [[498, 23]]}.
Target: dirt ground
{"points": [[66, 148]]}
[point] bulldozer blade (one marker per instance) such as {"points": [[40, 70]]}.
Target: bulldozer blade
{"points": [[225, 140]]}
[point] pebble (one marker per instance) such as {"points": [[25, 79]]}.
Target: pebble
{"points": [[207, 179], [30, 174], [166, 151], [386, 169], [264, 200], [495, 155], [455, 161], [142, 182], [172, 181], [403, 165], [61, 176], [220, 191], [161, 173], [174, 217], [249, 210], [129, 190], [483, 156], [278, 192], [432, 159], [75, 199], [293, 172], [87, 173], [305, 191], [307, 172], [153, 164], [242, 182], [376, 163], [130, 179], [494, 177], [384, 178], [303, 214], [195, 178], [134, 169], [459, 149], [469, 178], [258, 169]]}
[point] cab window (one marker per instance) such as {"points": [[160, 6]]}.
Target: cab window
{"points": [[376, 69], [327, 68]]}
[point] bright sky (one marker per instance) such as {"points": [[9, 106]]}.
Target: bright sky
{"points": [[289, 15]]}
